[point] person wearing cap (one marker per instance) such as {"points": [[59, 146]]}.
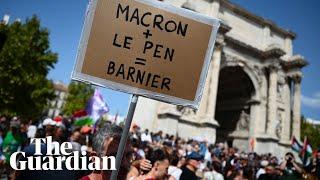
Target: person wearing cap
{"points": [[193, 163], [49, 126]]}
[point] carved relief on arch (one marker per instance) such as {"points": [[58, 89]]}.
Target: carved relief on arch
{"points": [[279, 127], [186, 111], [230, 61], [280, 85], [259, 73]]}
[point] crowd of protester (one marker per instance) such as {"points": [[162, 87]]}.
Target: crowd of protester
{"points": [[148, 155]]}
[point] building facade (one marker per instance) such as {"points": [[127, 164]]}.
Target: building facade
{"points": [[61, 91], [251, 99]]}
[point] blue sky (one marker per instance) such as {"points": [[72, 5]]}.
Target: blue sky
{"points": [[64, 19]]}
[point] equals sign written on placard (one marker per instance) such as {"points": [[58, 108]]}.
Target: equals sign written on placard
{"points": [[140, 61]]}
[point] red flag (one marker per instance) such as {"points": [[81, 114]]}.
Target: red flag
{"points": [[79, 114], [251, 143]]}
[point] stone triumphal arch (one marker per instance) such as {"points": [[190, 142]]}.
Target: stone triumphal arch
{"points": [[251, 98]]}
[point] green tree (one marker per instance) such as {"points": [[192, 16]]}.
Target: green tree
{"points": [[25, 60], [78, 96], [310, 131]]}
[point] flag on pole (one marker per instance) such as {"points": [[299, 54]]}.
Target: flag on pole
{"points": [[306, 153], [96, 106], [295, 145], [251, 144], [81, 118], [116, 117]]}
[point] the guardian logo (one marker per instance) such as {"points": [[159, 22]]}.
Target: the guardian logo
{"points": [[58, 155]]}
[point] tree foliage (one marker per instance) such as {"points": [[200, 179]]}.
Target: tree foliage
{"points": [[78, 96], [311, 131], [25, 60]]}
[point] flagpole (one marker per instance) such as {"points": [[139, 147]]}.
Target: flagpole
{"points": [[124, 137]]}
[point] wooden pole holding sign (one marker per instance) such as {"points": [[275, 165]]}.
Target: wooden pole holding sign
{"points": [[124, 136]]}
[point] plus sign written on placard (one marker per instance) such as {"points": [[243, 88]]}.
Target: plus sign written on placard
{"points": [[147, 33]]}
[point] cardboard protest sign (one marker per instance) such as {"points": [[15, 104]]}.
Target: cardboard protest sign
{"points": [[148, 48]]}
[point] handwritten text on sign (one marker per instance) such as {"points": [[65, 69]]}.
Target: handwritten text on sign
{"points": [[141, 46]]}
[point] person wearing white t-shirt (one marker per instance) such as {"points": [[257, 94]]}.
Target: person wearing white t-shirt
{"points": [[214, 174], [173, 169], [146, 137]]}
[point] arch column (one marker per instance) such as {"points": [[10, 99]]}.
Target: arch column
{"points": [[208, 102], [206, 112], [296, 107], [272, 101], [254, 125], [285, 137], [214, 81], [263, 104]]}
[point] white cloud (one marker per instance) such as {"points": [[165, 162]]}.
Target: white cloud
{"points": [[317, 94], [112, 117], [313, 101], [313, 121]]}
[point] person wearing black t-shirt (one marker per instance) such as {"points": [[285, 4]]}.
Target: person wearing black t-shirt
{"points": [[189, 170]]}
